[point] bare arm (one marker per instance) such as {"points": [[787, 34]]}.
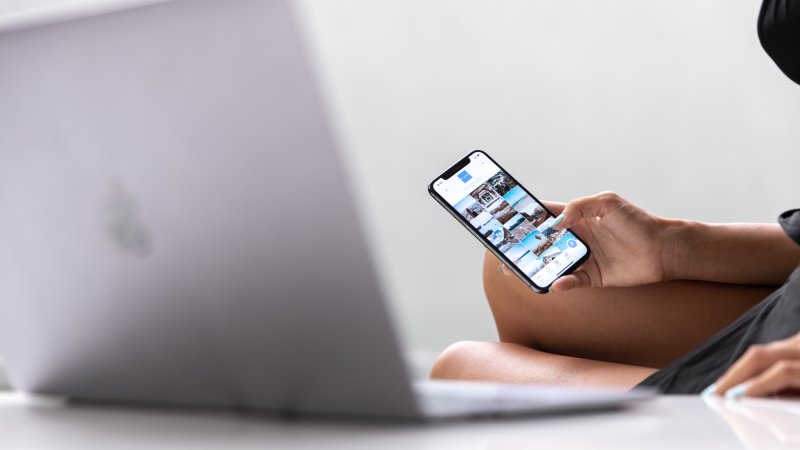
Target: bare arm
{"points": [[740, 253], [632, 247]]}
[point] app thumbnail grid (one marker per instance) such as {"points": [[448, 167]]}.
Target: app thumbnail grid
{"points": [[514, 223]]}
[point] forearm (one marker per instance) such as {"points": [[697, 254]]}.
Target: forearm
{"points": [[741, 253]]}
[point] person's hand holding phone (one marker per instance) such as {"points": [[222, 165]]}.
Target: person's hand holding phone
{"points": [[629, 245]]}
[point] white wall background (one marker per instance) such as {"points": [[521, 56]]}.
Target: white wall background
{"points": [[673, 104]]}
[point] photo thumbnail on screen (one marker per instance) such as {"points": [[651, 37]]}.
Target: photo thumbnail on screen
{"points": [[515, 223]]}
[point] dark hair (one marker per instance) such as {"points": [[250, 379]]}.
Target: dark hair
{"points": [[779, 33]]}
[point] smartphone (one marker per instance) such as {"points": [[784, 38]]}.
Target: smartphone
{"points": [[508, 220]]}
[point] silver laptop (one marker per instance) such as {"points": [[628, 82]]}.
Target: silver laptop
{"points": [[176, 227]]}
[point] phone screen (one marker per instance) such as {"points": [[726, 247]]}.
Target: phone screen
{"points": [[510, 220]]}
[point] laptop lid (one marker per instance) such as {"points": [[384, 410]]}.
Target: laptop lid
{"points": [[175, 224]]}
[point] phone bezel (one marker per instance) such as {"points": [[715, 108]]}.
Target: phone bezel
{"points": [[463, 162]]}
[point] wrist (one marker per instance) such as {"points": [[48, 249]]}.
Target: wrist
{"points": [[679, 238]]}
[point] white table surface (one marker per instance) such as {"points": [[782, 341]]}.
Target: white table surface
{"points": [[667, 422]]}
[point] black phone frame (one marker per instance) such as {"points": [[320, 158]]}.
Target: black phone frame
{"points": [[455, 168]]}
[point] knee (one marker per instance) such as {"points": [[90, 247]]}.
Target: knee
{"points": [[500, 286], [454, 361], [493, 278], [515, 307]]}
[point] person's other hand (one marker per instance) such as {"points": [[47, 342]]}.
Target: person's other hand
{"points": [[628, 244], [762, 370]]}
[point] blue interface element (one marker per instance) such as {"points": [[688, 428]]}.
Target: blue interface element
{"points": [[465, 176]]}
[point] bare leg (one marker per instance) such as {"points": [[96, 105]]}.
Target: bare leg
{"points": [[512, 363], [646, 326], [611, 337]]}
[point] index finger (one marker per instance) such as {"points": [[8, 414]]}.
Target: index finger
{"points": [[587, 207], [784, 374], [755, 360], [556, 207]]}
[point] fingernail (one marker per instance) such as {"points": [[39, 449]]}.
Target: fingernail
{"points": [[710, 390], [500, 268], [558, 220], [736, 391]]}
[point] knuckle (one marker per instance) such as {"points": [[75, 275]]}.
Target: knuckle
{"points": [[780, 370], [787, 368], [755, 349], [755, 353], [611, 199], [610, 196], [776, 345], [579, 201], [574, 206]]}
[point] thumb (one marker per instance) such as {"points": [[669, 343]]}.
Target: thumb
{"points": [[577, 279]]}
